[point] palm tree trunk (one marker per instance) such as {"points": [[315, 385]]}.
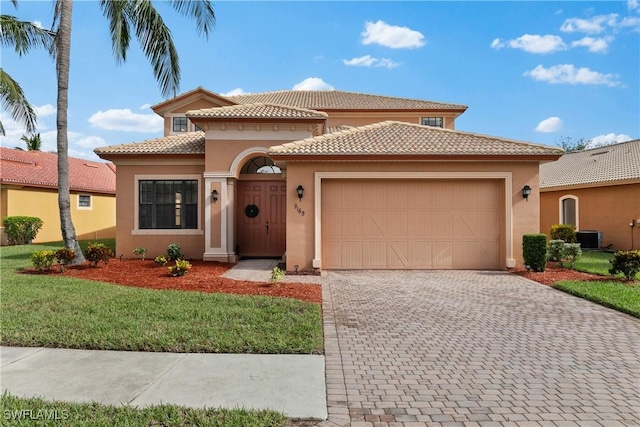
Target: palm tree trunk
{"points": [[63, 44]]}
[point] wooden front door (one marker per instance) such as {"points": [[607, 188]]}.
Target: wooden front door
{"points": [[261, 220]]}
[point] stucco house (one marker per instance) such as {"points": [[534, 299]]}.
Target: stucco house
{"points": [[29, 187], [597, 190], [327, 180]]}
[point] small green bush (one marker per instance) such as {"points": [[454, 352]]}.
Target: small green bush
{"points": [[65, 256], [174, 252], [160, 260], [555, 249], [627, 263], [43, 260], [21, 230], [276, 274], [572, 252], [534, 251], [140, 250], [564, 232], [180, 268], [98, 252]]}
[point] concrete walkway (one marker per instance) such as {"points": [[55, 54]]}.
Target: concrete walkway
{"points": [[474, 349]]}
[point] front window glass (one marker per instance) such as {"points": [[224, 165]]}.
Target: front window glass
{"points": [[168, 204], [179, 124], [569, 211], [432, 121]]}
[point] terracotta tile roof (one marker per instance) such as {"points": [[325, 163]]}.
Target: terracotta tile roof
{"points": [[332, 129], [184, 143], [257, 111], [398, 138], [611, 163], [339, 100], [38, 169]]}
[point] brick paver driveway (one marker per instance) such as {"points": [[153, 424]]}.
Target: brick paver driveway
{"points": [[453, 348]]}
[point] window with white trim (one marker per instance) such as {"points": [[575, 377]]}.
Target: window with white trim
{"points": [[180, 124], [569, 210], [84, 201], [432, 121], [168, 204]]}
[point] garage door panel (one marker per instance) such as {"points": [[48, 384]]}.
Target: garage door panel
{"points": [[422, 224]]}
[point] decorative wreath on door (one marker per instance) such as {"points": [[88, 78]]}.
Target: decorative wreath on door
{"points": [[251, 211]]}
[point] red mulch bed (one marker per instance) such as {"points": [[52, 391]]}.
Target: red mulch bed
{"points": [[202, 277], [554, 274]]}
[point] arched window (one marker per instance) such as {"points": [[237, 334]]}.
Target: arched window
{"points": [[569, 210], [260, 164]]}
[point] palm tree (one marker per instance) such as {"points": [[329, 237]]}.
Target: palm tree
{"points": [[34, 142], [21, 36], [156, 42]]}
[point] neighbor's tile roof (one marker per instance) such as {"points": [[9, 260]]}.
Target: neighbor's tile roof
{"points": [[339, 100], [617, 162], [257, 111], [184, 143], [399, 138], [39, 169]]}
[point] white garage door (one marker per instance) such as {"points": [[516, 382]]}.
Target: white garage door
{"points": [[416, 224]]}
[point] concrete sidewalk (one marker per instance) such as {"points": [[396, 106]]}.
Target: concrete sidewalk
{"points": [[292, 384]]}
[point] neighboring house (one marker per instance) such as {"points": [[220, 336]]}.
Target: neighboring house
{"points": [[329, 180], [596, 189], [29, 187]]}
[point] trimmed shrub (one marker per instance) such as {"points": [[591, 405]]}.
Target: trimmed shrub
{"points": [[572, 252], [21, 230], [564, 232], [98, 252], [65, 256], [43, 260], [555, 249], [627, 263], [174, 252], [534, 251], [180, 268]]}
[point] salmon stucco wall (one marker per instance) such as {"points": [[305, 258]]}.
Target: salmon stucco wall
{"points": [[156, 241], [609, 209], [96, 222], [300, 213]]}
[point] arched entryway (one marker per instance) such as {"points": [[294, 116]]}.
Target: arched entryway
{"points": [[261, 194]]}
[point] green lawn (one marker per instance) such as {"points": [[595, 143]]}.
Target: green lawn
{"points": [[614, 294], [55, 311], [595, 262], [34, 411]]}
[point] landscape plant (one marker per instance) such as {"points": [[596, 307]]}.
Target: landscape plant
{"points": [[555, 249], [534, 251], [564, 232], [140, 250], [627, 263], [180, 268], [276, 275], [43, 260], [174, 252], [21, 230], [65, 257], [572, 252], [98, 252], [160, 260]]}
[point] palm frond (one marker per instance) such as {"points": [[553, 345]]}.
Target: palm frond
{"points": [[156, 42], [23, 35], [115, 12], [200, 10], [15, 102]]}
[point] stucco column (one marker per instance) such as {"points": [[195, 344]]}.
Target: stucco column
{"points": [[231, 219]]}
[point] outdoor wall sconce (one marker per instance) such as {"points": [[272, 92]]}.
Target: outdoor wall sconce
{"points": [[300, 191], [526, 190], [214, 196]]}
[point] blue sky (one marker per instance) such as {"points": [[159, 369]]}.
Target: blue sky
{"points": [[532, 71]]}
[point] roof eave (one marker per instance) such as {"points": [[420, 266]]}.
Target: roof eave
{"points": [[257, 119], [411, 157], [545, 189]]}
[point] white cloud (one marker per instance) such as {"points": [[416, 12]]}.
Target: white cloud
{"points": [[552, 124], [610, 138], [37, 24], [532, 43], [593, 25], [313, 83], [567, 73], [631, 21], [632, 4], [391, 36], [145, 106], [45, 110], [234, 92], [126, 120], [368, 61], [599, 45]]}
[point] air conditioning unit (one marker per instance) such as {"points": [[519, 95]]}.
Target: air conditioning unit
{"points": [[590, 239]]}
